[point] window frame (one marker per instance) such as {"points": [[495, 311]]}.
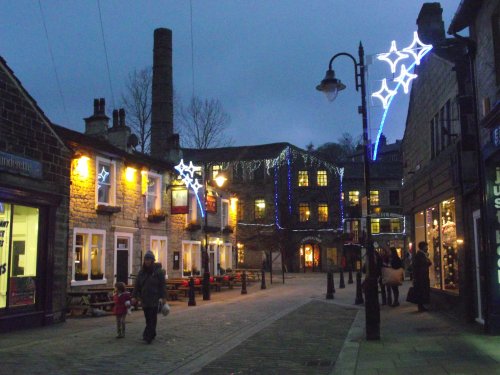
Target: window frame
{"points": [[354, 193], [320, 216], [322, 176], [161, 258], [307, 213], [191, 245], [112, 179], [374, 194], [301, 181], [224, 219], [89, 233], [255, 206], [158, 195]]}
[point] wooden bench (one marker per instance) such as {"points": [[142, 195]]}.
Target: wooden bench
{"points": [[173, 294]]}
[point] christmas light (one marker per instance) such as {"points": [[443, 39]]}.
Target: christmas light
{"points": [[187, 174], [417, 45], [384, 99], [276, 218], [102, 177], [399, 56], [289, 182], [405, 78], [341, 174]]}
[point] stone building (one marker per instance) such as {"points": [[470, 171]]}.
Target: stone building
{"points": [[440, 192], [288, 204], [483, 58], [34, 199]]}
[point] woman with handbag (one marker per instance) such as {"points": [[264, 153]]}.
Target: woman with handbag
{"points": [[397, 264]]}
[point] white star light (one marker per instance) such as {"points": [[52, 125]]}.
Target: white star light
{"points": [[405, 77], [418, 46], [190, 169], [181, 166], [382, 98], [196, 186], [399, 56], [103, 175]]}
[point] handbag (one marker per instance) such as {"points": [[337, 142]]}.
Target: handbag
{"points": [[412, 295], [392, 277]]}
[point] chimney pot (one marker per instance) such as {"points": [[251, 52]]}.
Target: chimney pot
{"points": [[96, 106], [121, 114], [115, 118], [102, 104]]}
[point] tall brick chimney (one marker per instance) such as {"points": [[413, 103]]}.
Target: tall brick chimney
{"points": [[97, 124], [162, 108], [430, 24]]}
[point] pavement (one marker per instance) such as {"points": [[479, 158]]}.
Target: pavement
{"points": [[287, 328]]}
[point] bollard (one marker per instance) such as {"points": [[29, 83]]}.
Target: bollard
{"points": [[329, 285], [263, 282], [359, 292], [341, 283], [244, 283], [206, 286], [350, 281], [192, 301]]}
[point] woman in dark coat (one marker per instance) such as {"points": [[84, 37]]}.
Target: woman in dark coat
{"points": [[396, 263], [421, 282]]}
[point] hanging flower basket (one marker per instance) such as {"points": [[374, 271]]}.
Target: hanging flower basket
{"points": [[107, 210], [156, 216], [193, 227]]}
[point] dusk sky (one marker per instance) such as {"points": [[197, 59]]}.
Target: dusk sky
{"points": [[262, 59]]}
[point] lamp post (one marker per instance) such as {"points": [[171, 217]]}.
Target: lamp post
{"points": [[330, 86]]}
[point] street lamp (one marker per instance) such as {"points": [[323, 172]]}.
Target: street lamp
{"points": [[330, 86], [219, 180]]}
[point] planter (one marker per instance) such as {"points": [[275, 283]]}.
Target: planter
{"points": [[81, 276], [156, 218], [193, 227], [107, 210]]}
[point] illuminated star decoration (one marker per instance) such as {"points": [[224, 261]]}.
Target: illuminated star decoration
{"points": [[187, 173], [102, 177], [399, 56], [417, 49], [404, 78], [384, 99]]}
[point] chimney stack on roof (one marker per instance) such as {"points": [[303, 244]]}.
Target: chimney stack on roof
{"points": [[97, 124], [430, 24], [119, 134]]}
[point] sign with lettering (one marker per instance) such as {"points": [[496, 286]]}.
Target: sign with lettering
{"points": [[180, 201], [211, 203], [19, 165]]}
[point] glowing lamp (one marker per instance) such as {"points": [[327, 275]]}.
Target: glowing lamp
{"points": [[261, 205], [220, 179], [460, 241], [130, 174], [234, 202], [330, 85], [82, 166]]}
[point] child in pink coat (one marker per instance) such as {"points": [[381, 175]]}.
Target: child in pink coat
{"points": [[121, 298]]}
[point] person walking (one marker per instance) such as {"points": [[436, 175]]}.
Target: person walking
{"points": [[149, 288], [421, 281], [386, 288], [396, 263], [121, 299]]}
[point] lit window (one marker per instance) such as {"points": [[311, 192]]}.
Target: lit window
{"points": [[241, 210], [395, 225], [260, 208], [215, 171], [191, 258], [353, 198], [304, 212], [322, 212], [153, 192], [225, 213], [158, 245], [322, 178], [375, 223], [303, 178], [374, 198], [225, 257], [105, 181], [89, 255]]}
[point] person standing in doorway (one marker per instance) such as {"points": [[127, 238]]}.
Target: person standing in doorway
{"points": [[421, 281], [149, 288]]}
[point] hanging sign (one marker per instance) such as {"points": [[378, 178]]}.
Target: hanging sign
{"points": [[211, 203], [180, 201]]}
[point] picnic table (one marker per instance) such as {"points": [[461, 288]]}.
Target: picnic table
{"points": [[89, 300]]}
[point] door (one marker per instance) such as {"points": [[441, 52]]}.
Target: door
{"points": [[476, 215], [123, 257]]}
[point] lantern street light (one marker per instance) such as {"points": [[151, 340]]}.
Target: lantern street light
{"points": [[330, 86]]}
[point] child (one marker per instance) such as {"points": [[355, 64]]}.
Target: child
{"points": [[121, 298]]}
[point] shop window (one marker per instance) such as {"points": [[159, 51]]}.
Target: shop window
{"points": [[303, 178], [153, 184], [322, 212], [304, 212], [260, 209], [374, 198], [353, 198], [158, 245], [394, 197], [433, 241], [375, 225], [385, 225], [18, 254], [322, 178], [449, 259], [395, 225], [191, 258], [105, 181], [88, 256]]}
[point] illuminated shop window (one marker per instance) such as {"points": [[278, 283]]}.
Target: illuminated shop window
{"points": [[375, 223], [374, 198], [322, 212], [396, 225], [260, 209], [191, 258], [304, 212], [322, 178], [303, 178], [353, 198], [88, 255], [158, 245]]}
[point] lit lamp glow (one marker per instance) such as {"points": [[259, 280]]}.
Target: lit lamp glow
{"points": [[82, 166], [220, 179], [234, 204], [130, 174]]}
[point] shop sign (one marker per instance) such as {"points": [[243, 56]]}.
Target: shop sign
{"points": [[311, 239], [496, 205], [211, 204], [495, 136], [19, 165], [180, 201]]}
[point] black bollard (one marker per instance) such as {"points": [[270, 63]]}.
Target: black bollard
{"points": [[342, 282], [263, 282], [359, 292], [192, 301], [349, 280], [206, 286], [244, 283], [329, 285]]}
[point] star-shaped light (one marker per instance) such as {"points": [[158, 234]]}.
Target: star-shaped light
{"points": [[190, 169], [384, 99], [399, 56], [404, 78], [103, 175], [196, 186], [417, 49], [181, 166], [187, 180]]}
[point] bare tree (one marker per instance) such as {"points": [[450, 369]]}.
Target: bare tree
{"points": [[137, 103], [202, 124]]}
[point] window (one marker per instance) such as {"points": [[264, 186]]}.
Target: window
{"points": [[353, 198], [215, 171], [394, 197], [260, 209], [153, 184], [192, 216], [322, 212], [225, 257], [191, 258], [105, 181], [374, 198], [158, 245], [375, 224], [304, 212], [224, 213], [303, 178], [322, 178], [241, 210], [89, 252], [396, 225]]}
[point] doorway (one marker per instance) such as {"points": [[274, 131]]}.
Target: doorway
{"points": [[123, 257], [310, 257]]}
